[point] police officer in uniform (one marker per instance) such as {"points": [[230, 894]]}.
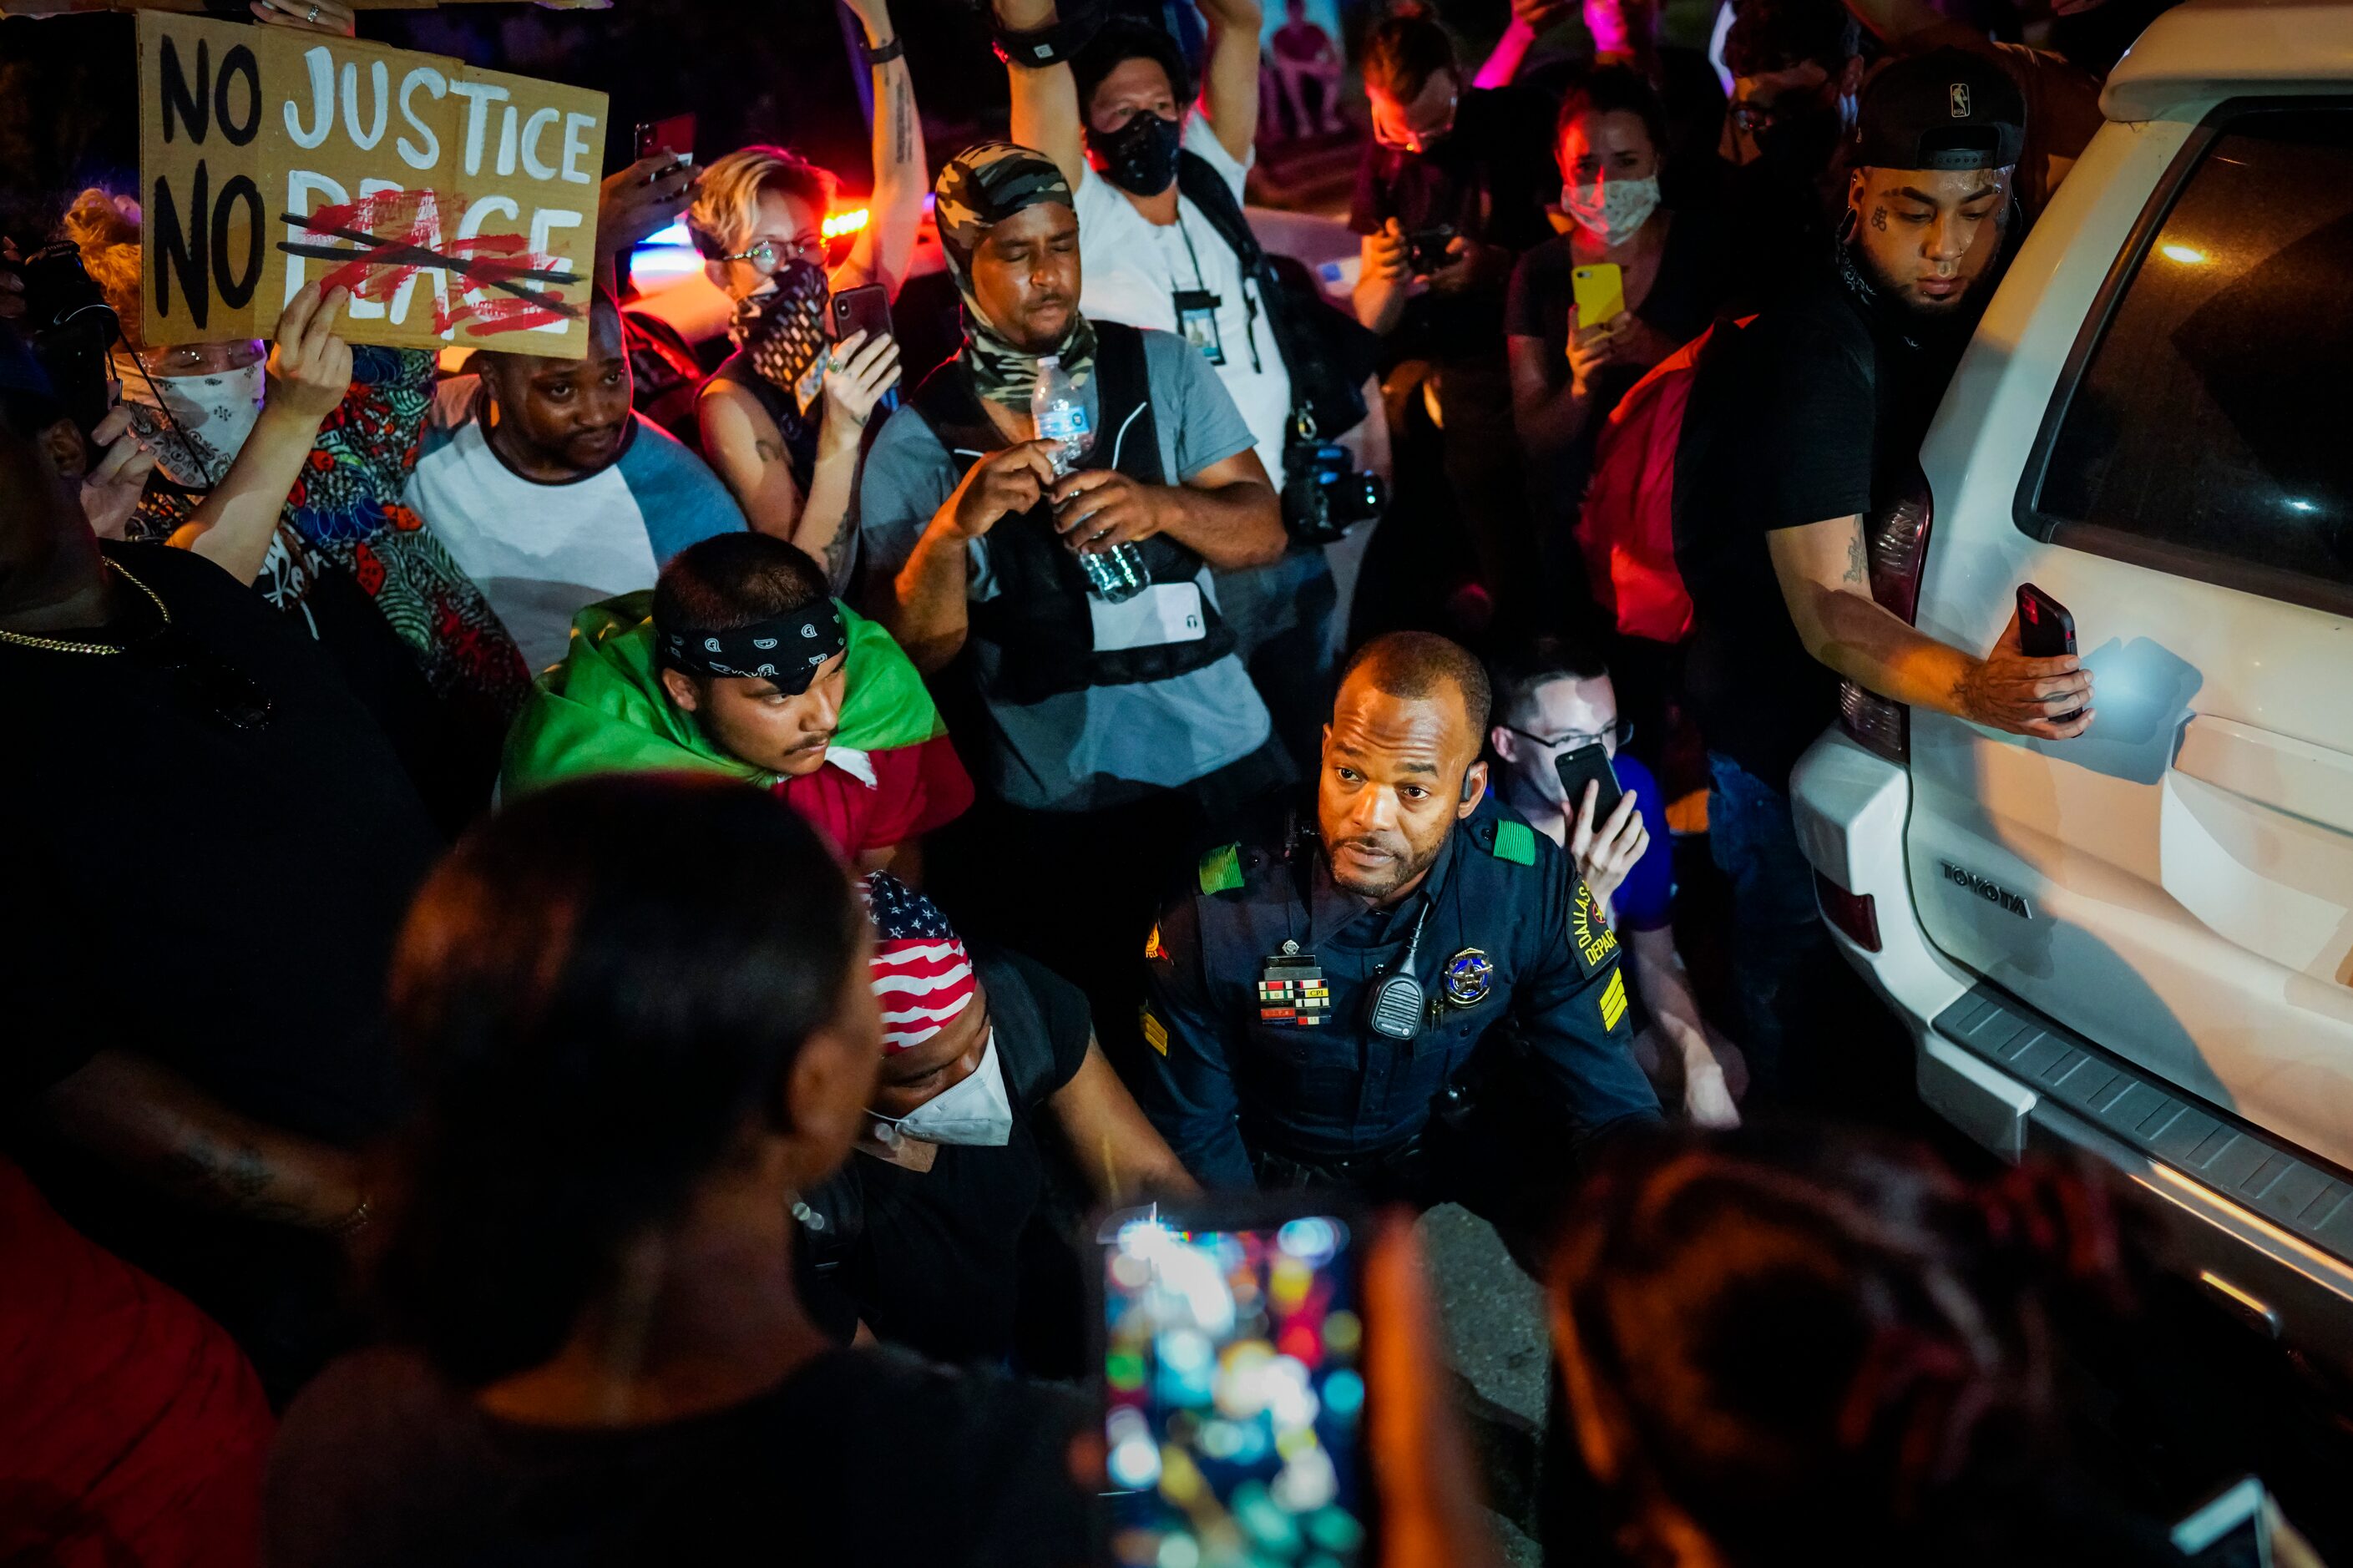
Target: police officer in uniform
{"points": [[1414, 996]]}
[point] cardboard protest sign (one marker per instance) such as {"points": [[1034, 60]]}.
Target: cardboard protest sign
{"points": [[458, 205]]}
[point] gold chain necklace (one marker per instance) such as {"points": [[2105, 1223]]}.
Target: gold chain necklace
{"points": [[59, 645]]}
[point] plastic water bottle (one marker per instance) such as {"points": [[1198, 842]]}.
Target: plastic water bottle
{"points": [[1061, 416]]}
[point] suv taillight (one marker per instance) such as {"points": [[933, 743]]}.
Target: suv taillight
{"points": [[1853, 913], [1898, 545]]}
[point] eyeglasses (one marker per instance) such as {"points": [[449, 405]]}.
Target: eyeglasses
{"points": [[766, 255], [1416, 141], [232, 695], [1619, 733]]}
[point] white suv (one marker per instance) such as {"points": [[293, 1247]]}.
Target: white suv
{"points": [[2140, 942]]}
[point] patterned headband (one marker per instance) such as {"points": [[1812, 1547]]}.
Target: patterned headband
{"points": [[787, 649]]}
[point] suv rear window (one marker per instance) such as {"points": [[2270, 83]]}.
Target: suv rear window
{"points": [[2209, 431]]}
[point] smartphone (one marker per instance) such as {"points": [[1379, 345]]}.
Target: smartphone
{"points": [[2045, 630], [866, 309], [1425, 249], [1588, 764], [2232, 1530], [1232, 1341], [1600, 292], [674, 135]]}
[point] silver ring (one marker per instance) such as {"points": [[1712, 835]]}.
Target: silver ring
{"points": [[313, 17]]}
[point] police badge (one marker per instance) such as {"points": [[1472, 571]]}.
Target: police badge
{"points": [[1470, 975]]}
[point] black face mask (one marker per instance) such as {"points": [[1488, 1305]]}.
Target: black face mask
{"points": [[1801, 141], [1140, 157]]}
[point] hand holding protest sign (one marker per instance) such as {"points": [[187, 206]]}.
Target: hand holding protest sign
{"points": [[456, 206]]}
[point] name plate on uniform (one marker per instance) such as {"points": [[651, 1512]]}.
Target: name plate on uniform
{"points": [[1163, 613]]}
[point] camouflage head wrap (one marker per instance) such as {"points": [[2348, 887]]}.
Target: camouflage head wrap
{"points": [[978, 189]]}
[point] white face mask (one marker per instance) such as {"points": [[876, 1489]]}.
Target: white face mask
{"points": [[211, 415], [1611, 211], [974, 1113]]}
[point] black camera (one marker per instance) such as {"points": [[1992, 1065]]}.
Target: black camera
{"points": [[71, 328], [1324, 497], [1425, 249]]}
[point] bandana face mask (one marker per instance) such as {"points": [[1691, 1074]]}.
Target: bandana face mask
{"points": [[782, 330], [195, 425], [788, 649], [1611, 211], [978, 189]]}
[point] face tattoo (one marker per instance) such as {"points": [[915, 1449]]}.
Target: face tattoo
{"points": [[980, 188]]}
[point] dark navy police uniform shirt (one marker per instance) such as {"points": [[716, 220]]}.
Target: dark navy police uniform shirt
{"points": [[1512, 933]]}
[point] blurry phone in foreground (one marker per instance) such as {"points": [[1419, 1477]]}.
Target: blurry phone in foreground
{"points": [[1600, 291], [2233, 1530], [1588, 764], [674, 136], [1233, 1360], [2045, 630], [866, 309]]}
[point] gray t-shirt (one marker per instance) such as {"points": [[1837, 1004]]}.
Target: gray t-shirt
{"points": [[1080, 750]]}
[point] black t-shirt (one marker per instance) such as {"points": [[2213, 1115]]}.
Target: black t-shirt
{"points": [[221, 900], [857, 1457], [1683, 300], [1815, 412], [1490, 180], [938, 1266]]}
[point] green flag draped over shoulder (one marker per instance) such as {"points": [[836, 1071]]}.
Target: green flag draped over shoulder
{"points": [[603, 710]]}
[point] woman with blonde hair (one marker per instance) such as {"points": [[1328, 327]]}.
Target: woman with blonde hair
{"points": [[783, 419]]}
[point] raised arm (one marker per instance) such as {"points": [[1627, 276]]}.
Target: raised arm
{"points": [[1229, 75], [1826, 582], [310, 372], [1044, 100], [142, 1117], [886, 248]]}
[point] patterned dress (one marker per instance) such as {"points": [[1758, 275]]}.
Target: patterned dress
{"points": [[345, 513]]}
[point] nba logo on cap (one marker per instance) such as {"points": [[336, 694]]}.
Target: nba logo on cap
{"points": [[1958, 95]]}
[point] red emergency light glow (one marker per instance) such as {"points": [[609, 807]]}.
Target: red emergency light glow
{"points": [[840, 224]]}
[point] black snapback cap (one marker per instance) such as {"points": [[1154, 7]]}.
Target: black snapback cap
{"points": [[1946, 108]]}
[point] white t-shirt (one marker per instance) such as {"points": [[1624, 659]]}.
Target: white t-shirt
{"points": [[1134, 267], [541, 552]]}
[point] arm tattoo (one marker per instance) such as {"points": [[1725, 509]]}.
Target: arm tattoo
{"points": [[1879, 219], [837, 555], [769, 451], [1857, 567], [902, 119], [232, 1178]]}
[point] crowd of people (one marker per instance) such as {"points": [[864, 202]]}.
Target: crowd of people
{"points": [[657, 896]]}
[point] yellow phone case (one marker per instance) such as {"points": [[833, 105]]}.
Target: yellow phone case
{"points": [[1600, 292]]}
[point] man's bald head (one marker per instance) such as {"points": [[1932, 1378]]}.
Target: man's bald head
{"points": [[1401, 762], [1418, 665]]}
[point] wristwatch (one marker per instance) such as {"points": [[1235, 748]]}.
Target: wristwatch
{"points": [[1053, 45]]}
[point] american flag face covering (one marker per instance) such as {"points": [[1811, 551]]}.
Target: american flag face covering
{"points": [[921, 974]]}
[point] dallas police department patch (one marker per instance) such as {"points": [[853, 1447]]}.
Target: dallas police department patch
{"points": [[1152, 948], [1588, 928], [1613, 1000], [1470, 975]]}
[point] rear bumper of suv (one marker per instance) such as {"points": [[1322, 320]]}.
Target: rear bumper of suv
{"points": [[2267, 1228]]}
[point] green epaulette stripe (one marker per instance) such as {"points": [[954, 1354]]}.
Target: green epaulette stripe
{"points": [[1222, 869], [1515, 842]]}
